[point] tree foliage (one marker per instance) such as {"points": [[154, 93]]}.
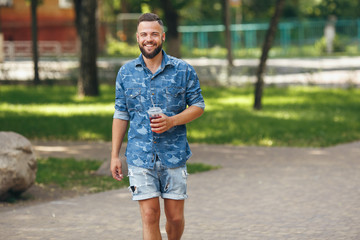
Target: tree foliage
{"points": [[339, 8], [210, 11]]}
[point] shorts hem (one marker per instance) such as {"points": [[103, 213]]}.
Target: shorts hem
{"points": [[145, 196], [174, 196]]}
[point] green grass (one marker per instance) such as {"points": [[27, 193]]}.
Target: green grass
{"points": [[199, 167], [74, 174], [293, 116], [56, 112], [79, 174]]}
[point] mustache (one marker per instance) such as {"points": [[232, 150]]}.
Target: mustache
{"points": [[149, 42]]}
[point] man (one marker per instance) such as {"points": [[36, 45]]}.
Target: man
{"points": [[157, 151]]}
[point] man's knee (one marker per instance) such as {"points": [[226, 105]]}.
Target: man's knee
{"points": [[175, 219], [151, 216]]}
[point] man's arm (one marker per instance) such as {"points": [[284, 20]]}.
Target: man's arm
{"points": [[119, 128], [164, 123]]}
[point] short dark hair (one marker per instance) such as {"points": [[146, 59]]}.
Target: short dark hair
{"points": [[150, 17]]}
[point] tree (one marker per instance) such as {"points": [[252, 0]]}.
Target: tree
{"points": [[86, 27], [35, 53], [227, 23], [270, 34], [172, 20]]}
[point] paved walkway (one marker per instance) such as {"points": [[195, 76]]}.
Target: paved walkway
{"points": [[259, 193]]}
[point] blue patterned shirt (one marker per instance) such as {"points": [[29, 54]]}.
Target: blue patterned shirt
{"points": [[173, 87]]}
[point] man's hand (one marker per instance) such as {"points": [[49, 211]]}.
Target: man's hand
{"points": [[164, 123], [161, 124], [115, 168]]}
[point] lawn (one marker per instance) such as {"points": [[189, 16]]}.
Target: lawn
{"points": [[73, 174], [291, 116]]}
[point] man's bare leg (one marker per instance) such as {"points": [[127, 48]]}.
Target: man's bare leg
{"points": [[175, 221], [150, 215]]}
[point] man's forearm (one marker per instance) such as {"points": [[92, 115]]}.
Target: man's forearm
{"points": [[186, 116], [165, 123], [119, 128]]}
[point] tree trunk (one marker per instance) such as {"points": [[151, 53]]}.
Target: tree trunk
{"points": [[86, 24], [270, 34], [172, 34], [35, 54], [227, 22]]}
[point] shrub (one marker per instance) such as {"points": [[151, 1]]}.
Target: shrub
{"points": [[121, 49], [339, 44]]}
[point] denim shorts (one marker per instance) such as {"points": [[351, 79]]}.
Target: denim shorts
{"points": [[161, 181]]}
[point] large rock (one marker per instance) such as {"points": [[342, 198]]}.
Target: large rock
{"points": [[17, 164]]}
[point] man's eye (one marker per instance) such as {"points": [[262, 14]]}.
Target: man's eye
{"points": [[152, 35]]}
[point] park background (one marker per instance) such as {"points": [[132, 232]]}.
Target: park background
{"points": [[62, 87]]}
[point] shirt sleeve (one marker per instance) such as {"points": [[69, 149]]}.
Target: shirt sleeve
{"points": [[121, 115], [121, 111], [193, 90]]}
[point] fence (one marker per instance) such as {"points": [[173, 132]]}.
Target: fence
{"points": [[249, 36], [15, 49]]}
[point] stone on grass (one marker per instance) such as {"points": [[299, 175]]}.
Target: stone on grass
{"points": [[17, 164]]}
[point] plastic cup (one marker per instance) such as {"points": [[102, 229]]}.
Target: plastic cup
{"points": [[154, 112]]}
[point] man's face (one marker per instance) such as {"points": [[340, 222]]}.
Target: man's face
{"points": [[150, 36]]}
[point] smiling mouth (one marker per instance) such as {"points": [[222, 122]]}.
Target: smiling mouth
{"points": [[149, 45]]}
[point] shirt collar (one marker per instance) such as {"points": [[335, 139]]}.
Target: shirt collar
{"points": [[165, 61]]}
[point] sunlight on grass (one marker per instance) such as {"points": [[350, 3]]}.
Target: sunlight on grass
{"points": [[291, 116], [240, 101], [60, 109], [196, 134], [90, 135], [294, 115], [339, 119], [266, 142]]}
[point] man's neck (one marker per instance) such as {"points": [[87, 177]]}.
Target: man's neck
{"points": [[153, 64]]}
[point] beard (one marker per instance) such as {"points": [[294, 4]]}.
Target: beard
{"points": [[152, 54]]}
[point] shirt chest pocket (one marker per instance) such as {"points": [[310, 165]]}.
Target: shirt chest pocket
{"points": [[134, 99], [175, 99]]}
